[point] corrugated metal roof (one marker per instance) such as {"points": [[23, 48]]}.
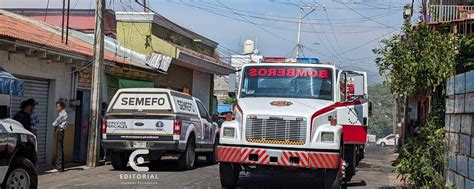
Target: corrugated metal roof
{"points": [[29, 30]]}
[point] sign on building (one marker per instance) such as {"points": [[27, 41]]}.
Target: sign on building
{"points": [[159, 61]]}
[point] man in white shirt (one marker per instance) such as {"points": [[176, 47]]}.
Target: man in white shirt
{"points": [[59, 125]]}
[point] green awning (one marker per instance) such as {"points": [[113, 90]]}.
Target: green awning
{"points": [[121, 83]]}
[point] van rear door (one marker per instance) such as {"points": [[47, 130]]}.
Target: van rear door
{"points": [[140, 116]]}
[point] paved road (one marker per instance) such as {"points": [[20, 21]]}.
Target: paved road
{"points": [[374, 172]]}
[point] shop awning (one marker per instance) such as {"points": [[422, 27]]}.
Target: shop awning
{"points": [[9, 84]]}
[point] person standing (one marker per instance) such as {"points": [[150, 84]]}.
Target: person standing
{"points": [[59, 125], [24, 115], [33, 115]]}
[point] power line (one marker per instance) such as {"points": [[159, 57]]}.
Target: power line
{"points": [[218, 8], [383, 24], [291, 20]]}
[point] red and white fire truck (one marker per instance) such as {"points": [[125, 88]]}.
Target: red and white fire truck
{"points": [[296, 116]]}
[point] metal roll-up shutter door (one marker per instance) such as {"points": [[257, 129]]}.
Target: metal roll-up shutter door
{"points": [[38, 90]]}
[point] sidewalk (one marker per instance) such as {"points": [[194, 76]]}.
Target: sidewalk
{"points": [[376, 170]]}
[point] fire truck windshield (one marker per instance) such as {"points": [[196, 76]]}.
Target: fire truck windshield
{"points": [[287, 82]]}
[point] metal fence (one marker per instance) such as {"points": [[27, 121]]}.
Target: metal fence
{"points": [[446, 13]]}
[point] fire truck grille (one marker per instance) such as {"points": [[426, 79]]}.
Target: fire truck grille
{"points": [[276, 131]]}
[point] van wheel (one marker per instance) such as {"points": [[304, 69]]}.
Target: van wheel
{"points": [[211, 157], [229, 174], [382, 144], [119, 160], [21, 174], [187, 159]]}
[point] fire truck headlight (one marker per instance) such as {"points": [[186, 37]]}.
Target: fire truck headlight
{"points": [[229, 132], [327, 137]]}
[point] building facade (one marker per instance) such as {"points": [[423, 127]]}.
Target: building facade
{"points": [[453, 16], [193, 57]]}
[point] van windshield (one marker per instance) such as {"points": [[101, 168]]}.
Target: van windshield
{"points": [[287, 82]]}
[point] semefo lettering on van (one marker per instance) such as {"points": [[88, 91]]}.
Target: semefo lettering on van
{"points": [[143, 101], [185, 106], [129, 101]]}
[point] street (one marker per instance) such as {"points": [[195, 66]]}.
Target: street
{"points": [[374, 171]]}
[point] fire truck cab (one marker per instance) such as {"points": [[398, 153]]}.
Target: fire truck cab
{"points": [[296, 116]]}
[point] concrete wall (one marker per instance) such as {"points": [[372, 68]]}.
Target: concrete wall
{"points": [[137, 37], [460, 130], [59, 75], [202, 87]]}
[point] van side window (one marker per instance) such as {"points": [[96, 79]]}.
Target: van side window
{"points": [[202, 111]]}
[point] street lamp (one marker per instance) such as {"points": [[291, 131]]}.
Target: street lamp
{"points": [[407, 11]]}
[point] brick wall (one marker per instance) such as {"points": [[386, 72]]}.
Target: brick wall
{"points": [[460, 130]]}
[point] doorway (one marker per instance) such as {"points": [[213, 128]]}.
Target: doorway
{"points": [[82, 126]]}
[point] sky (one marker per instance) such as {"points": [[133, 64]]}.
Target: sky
{"points": [[343, 32]]}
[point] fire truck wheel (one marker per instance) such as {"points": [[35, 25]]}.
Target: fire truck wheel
{"points": [[350, 156], [332, 179], [119, 160], [229, 174], [211, 157], [187, 159]]}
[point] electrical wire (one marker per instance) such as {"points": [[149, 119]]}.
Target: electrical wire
{"points": [[373, 20], [218, 8], [46, 11]]}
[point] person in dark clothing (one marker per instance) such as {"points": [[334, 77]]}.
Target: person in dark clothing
{"points": [[24, 115]]}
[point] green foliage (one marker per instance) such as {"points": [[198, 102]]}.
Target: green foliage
{"points": [[229, 100], [465, 59], [381, 123], [418, 64], [421, 162]]}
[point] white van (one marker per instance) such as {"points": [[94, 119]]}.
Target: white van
{"points": [[163, 121]]}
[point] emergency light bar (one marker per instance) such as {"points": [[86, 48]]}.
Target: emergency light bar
{"points": [[274, 59], [291, 60], [308, 60]]}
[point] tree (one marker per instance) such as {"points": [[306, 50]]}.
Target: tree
{"points": [[465, 59], [418, 62], [229, 100], [381, 123]]}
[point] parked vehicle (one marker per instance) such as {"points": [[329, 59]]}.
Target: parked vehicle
{"points": [[18, 156], [310, 117], [389, 140], [163, 121], [371, 138]]}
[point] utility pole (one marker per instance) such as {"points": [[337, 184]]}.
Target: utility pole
{"points": [[395, 121], [145, 6], [299, 46], [97, 68]]}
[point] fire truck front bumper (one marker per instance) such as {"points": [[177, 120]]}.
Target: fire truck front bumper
{"points": [[279, 157]]}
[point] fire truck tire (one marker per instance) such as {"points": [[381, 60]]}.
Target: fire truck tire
{"points": [[211, 157], [187, 159], [350, 156], [119, 160], [332, 179], [229, 174]]}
